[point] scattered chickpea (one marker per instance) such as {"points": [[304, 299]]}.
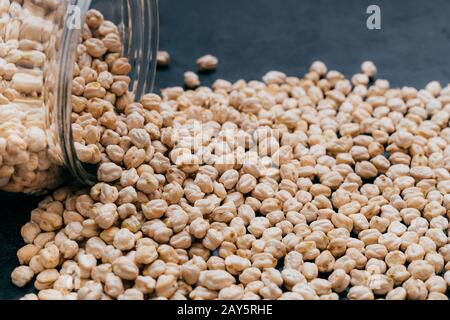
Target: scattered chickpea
{"points": [[207, 63], [191, 80], [163, 59]]}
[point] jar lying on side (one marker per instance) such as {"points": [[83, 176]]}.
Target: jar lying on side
{"points": [[58, 55]]}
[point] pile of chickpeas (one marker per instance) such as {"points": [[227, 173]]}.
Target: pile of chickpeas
{"points": [[29, 161], [25, 32], [100, 88], [318, 187]]}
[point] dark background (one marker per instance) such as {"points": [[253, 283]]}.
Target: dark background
{"points": [[251, 37]]}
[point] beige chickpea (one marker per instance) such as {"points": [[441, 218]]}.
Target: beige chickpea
{"points": [[50, 256], [65, 283], [235, 264], [99, 272], [90, 291], [360, 293], [291, 296], [25, 253], [369, 68], [377, 251], [131, 294], [360, 277], [146, 254], [191, 80], [145, 284], [292, 277], [163, 59], [45, 279], [124, 240], [216, 279], [395, 257], [398, 273], [421, 269], [305, 291], [436, 260], [320, 286], [190, 273], [113, 285], [213, 239], [359, 258], [166, 285], [109, 172], [398, 293], [437, 296], [199, 228], [381, 284], [216, 263], [339, 280], [271, 292], [345, 263], [29, 232], [271, 275], [415, 289], [106, 215], [157, 230], [207, 63], [22, 275], [325, 262], [249, 275], [319, 67], [447, 277], [436, 284], [414, 252], [201, 293], [44, 238], [50, 294], [233, 292], [246, 183], [125, 268], [155, 209]]}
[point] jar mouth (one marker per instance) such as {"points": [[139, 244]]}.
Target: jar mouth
{"points": [[139, 23]]}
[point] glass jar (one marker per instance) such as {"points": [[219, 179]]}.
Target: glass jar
{"points": [[38, 50]]}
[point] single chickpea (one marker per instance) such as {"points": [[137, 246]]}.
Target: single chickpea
{"points": [[360, 293]]}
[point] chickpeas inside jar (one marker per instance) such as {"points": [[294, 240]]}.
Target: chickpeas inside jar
{"points": [[63, 70]]}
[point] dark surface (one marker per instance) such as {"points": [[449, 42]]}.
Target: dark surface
{"points": [[251, 37]]}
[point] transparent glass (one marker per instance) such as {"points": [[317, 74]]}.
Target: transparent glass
{"points": [[38, 48]]}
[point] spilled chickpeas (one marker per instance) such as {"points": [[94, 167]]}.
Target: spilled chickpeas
{"points": [[318, 187]]}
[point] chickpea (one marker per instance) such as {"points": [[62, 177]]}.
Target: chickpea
{"points": [[398, 293], [421, 269], [50, 257], [325, 262], [166, 286], [235, 264], [125, 268], [22, 275], [415, 289], [216, 279], [124, 240], [271, 291], [360, 293], [381, 284], [339, 280], [26, 253], [436, 284]]}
